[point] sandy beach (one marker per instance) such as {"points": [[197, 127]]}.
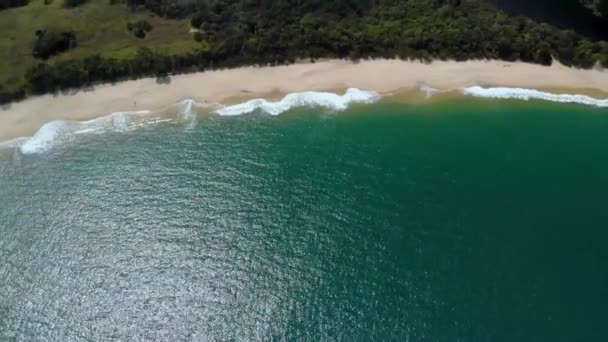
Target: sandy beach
{"points": [[222, 86]]}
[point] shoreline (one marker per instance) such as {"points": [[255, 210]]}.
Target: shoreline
{"points": [[387, 77]]}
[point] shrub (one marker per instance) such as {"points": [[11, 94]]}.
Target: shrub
{"points": [[139, 28], [73, 3], [543, 56], [51, 42], [583, 54], [197, 19], [7, 95]]}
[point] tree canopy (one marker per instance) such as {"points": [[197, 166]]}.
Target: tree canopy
{"points": [[50, 42], [4, 4]]}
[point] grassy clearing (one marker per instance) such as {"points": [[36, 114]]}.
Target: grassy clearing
{"points": [[100, 28]]}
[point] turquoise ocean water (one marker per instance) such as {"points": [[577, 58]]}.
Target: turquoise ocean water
{"points": [[458, 220]]}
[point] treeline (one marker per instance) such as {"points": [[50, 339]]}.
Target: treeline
{"points": [[599, 6], [8, 95], [4, 4], [52, 77], [421, 29], [73, 3], [602, 7], [166, 8], [245, 32]]}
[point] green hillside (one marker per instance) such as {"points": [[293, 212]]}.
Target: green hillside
{"points": [[100, 27]]}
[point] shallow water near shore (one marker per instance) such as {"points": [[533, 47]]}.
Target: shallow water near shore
{"points": [[463, 219]]}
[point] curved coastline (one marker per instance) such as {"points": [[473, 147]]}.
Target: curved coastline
{"points": [[302, 84], [57, 131]]}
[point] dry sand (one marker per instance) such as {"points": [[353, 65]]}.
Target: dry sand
{"points": [[384, 76]]}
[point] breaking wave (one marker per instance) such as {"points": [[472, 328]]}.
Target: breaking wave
{"points": [[57, 132], [305, 99], [531, 94], [60, 131]]}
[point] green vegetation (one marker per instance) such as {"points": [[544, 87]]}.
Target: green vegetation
{"points": [[599, 6], [166, 8], [237, 32], [139, 28], [51, 42], [73, 3], [7, 95], [4, 4], [602, 7], [100, 29]]}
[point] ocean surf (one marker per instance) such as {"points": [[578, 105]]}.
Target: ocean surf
{"points": [[57, 132]]}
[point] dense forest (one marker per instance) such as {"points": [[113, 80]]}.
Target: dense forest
{"points": [[239, 32], [599, 6], [4, 4]]}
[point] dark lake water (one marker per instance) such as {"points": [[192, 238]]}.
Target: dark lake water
{"points": [[566, 14]]}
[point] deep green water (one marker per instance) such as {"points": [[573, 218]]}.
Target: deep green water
{"points": [[457, 221]]}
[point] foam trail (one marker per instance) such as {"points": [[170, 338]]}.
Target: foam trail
{"points": [[428, 91], [531, 94], [17, 142], [309, 98], [120, 121], [185, 107]]}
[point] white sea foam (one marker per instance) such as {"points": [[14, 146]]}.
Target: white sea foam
{"points": [[48, 135], [304, 99], [531, 94], [185, 108], [428, 91], [13, 143], [58, 131], [55, 132]]}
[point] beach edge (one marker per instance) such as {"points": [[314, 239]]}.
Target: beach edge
{"points": [[229, 86]]}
